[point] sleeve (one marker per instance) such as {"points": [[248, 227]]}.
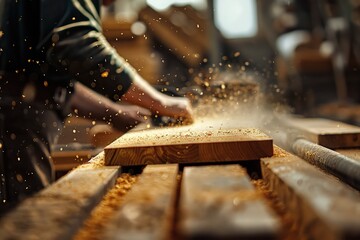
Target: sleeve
{"points": [[78, 49], [85, 54]]}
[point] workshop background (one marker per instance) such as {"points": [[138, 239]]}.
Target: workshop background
{"points": [[286, 67], [303, 56]]}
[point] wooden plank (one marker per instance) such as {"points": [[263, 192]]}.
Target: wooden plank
{"points": [[349, 113], [188, 144], [353, 153], [219, 202], [69, 156], [117, 30], [103, 134], [75, 130], [147, 209], [173, 37], [323, 207], [59, 210], [327, 133], [194, 23]]}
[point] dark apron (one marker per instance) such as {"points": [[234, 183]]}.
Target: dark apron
{"points": [[27, 130], [30, 122]]}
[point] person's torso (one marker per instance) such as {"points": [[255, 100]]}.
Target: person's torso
{"points": [[27, 33]]}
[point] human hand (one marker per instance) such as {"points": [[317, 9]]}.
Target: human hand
{"points": [[89, 104], [142, 94], [178, 108]]}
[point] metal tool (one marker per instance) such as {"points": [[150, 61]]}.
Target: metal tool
{"points": [[345, 168]]}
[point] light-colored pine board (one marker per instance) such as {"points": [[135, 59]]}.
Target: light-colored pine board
{"points": [[220, 202], [75, 131], [322, 206], [327, 133], [65, 160], [173, 37], [148, 208], [103, 134], [59, 210], [188, 144], [353, 153]]}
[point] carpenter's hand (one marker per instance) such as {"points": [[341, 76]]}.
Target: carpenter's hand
{"points": [[175, 107], [142, 94]]}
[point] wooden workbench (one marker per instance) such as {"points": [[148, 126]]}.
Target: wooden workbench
{"points": [[295, 200]]}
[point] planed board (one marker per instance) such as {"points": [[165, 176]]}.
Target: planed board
{"points": [[147, 211], [327, 133], [174, 37], [188, 144], [220, 202], [67, 157], [60, 209], [353, 153], [323, 206]]}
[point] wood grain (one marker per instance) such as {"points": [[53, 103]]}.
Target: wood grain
{"points": [[219, 202], [103, 134], [67, 157], [323, 207], [353, 153], [148, 208], [59, 210], [327, 133], [173, 37], [188, 144]]}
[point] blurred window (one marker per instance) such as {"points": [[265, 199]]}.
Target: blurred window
{"points": [[164, 4], [236, 18]]}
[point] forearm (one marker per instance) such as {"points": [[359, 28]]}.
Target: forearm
{"points": [[89, 104], [144, 95], [141, 93]]}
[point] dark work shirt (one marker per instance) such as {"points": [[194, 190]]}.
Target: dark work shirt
{"points": [[60, 41]]}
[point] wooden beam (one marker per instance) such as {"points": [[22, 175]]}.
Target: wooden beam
{"points": [[59, 210], [219, 202], [147, 210], [353, 153], [66, 158], [194, 23], [188, 144], [190, 52], [114, 29], [327, 133], [324, 207], [103, 134]]}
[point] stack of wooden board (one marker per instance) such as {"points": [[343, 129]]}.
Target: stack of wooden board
{"points": [[200, 202], [315, 139], [327, 133], [323, 207], [172, 201]]}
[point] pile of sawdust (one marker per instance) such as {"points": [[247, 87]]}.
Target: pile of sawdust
{"points": [[290, 229], [102, 214]]}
